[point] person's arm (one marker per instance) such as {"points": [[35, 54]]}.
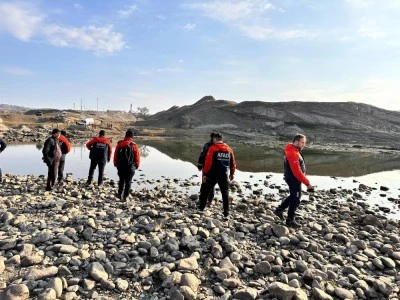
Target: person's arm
{"points": [[67, 144], [109, 150], [115, 155], [136, 152], [90, 143], [203, 153], [294, 164], [209, 160], [3, 145], [232, 165], [46, 147]]}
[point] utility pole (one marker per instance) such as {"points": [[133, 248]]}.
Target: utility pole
{"points": [[74, 105], [81, 104]]}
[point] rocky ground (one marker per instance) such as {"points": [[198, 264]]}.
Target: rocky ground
{"points": [[80, 242]]}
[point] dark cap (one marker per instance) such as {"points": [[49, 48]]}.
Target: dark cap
{"points": [[212, 134], [55, 130], [102, 132], [129, 133], [63, 132]]}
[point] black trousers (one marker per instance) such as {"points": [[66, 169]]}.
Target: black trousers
{"points": [[93, 165], [207, 188], [293, 200], [210, 195], [125, 181], [52, 173], [61, 170]]}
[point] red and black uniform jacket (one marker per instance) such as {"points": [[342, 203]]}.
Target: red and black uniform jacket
{"points": [[135, 150], [294, 165], [65, 146], [100, 149], [219, 161]]}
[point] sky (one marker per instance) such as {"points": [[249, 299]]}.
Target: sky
{"points": [[159, 53]]}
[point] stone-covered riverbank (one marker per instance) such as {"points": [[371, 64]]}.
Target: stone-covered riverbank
{"points": [[80, 242]]}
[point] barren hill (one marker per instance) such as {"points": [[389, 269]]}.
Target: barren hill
{"points": [[333, 122]]}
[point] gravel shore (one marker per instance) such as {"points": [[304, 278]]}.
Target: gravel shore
{"points": [[81, 242]]}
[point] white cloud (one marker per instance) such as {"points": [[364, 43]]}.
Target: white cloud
{"points": [[161, 17], [189, 26], [78, 6], [91, 38], [16, 71], [369, 29], [124, 13], [170, 70], [249, 17], [231, 10], [24, 23], [19, 20]]}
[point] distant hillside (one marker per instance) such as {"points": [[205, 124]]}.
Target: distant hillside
{"points": [[333, 122], [13, 108]]}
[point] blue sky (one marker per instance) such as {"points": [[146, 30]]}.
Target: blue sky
{"points": [[160, 53]]}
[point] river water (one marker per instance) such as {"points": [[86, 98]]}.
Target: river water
{"points": [[177, 160]]}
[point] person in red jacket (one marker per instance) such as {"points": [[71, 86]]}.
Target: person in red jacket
{"points": [[65, 149], [126, 160], [100, 153], [219, 161], [294, 175]]}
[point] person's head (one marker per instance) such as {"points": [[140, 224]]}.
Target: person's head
{"points": [[212, 135], [129, 133], [218, 137], [102, 132], [55, 133], [63, 132], [299, 141]]}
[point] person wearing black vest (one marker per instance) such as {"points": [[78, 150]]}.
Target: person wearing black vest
{"points": [[100, 153], [294, 175], [51, 156]]}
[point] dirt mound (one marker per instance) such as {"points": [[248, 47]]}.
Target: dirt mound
{"points": [[333, 122]]}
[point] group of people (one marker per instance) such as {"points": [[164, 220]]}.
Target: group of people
{"points": [[218, 165], [126, 159], [216, 162]]}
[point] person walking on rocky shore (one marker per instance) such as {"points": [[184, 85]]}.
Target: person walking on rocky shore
{"points": [[200, 165], [219, 160], [65, 149], [51, 156], [3, 145], [294, 175], [100, 153], [126, 160]]}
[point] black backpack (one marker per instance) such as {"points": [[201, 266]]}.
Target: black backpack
{"points": [[125, 156]]}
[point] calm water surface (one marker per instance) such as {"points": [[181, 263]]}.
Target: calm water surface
{"points": [[176, 160]]}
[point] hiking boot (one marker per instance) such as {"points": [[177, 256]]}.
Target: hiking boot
{"points": [[226, 216], [279, 213], [292, 223]]}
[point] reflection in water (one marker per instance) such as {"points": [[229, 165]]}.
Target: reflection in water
{"points": [[261, 159], [178, 159], [25, 159]]}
